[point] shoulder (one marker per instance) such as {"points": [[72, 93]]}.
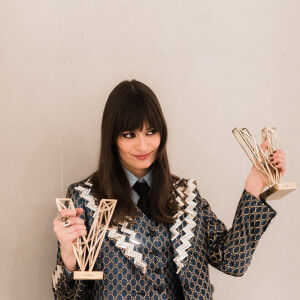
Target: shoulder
{"points": [[83, 197], [183, 184], [185, 189], [80, 189]]}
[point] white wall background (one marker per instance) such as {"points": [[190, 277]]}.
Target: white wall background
{"points": [[214, 65]]}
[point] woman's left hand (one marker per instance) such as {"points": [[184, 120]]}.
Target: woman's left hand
{"points": [[255, 184]]}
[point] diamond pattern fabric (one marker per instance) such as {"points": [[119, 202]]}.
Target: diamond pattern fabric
{"points": [[141, 261]]}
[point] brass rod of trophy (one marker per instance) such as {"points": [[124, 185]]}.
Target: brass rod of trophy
{"points": [[267, 170], [271, 133], [95, 231], [273, 146], [75, 250], [83, 252], [86, 249], [99, 235], [261, 158], [262, 161], [108, 215], [238, 135], [91, 239]]}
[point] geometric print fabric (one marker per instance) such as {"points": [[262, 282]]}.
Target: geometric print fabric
{"points": [[188, 246]]}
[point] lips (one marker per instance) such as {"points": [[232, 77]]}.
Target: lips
{"points": [[142, 157]]}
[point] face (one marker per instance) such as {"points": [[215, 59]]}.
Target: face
{"points": [[137, 149]]}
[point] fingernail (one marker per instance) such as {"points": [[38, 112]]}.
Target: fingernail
{"points": [[274, 151], [271, 155], [265, 138], [272, 159], [276, 164]]}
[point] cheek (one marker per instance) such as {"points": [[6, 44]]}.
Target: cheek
{"points": [[156, 142], [123, 147]]}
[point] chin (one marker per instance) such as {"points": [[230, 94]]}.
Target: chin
{"points": [[146, 165]]}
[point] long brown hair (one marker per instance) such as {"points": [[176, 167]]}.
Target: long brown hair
{"points": [[129, 106]]}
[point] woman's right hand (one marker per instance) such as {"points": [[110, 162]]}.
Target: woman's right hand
{"points": [[66, 235]]}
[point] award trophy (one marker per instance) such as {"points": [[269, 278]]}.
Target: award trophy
{"points": [[86, 249], [261, 161]]}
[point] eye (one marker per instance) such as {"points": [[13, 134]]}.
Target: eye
{"points": [[151, 131], [128, 134]]}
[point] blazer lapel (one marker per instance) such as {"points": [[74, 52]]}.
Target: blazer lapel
{"points": [[121, 236], [182, 231], [124, 238]]}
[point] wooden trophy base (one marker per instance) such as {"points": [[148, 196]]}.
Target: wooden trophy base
{"points": [[88, 275], [278, 191]]}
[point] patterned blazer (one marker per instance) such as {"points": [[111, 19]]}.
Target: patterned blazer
{"points": [[138, 260]]}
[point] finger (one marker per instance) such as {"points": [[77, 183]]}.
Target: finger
{"points": [[275, 161], [56, 221], [76, 220], [59, 224], [277, 156], [67, 212], [76, 234], [282, 171], [264, 145], [279, 151], [72, 220], [79, 212], [63, 232], [281, 167], [73, 228]]}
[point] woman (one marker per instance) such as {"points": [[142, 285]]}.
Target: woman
{"points": [[163, 234]]}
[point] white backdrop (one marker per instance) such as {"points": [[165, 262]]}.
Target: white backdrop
{"points": [[214, 65]]}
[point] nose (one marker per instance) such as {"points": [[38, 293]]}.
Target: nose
{"points": [[141, 144]]}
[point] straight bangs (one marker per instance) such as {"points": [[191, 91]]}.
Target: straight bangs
{"points": [[134, 111], [129, 106]]}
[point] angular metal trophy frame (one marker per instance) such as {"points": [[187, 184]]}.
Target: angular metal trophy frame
{"points": [[268, 171], [86, 249]]}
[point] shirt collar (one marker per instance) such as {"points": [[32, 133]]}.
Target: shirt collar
{"points": [[132, 179]]}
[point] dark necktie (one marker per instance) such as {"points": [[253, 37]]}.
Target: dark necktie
{"points": [[142, 188]]}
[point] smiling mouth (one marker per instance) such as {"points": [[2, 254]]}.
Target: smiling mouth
{"points": [[142, 157]]}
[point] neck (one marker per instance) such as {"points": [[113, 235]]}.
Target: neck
{"points": [[139, 173]]}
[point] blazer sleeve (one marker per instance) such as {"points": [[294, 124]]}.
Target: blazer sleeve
{"points": [[63, 286], [231, 250]]}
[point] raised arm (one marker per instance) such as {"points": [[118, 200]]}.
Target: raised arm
{"points": [[231, 250]]}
